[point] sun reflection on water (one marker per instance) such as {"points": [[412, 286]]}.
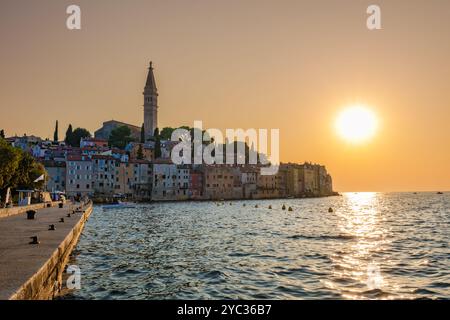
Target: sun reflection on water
{"points": [[356, 262]]}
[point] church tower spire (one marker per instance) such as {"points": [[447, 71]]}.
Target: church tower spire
{"points": [[150, 104]]}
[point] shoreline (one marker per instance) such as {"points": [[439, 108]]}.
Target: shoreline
{"points": [[35, 271]]}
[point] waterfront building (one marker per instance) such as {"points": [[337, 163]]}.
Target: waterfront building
{"points": [[141, 179], [164, 180], [182, 182], [219, 182], [249, 176], [104, 174], [79, 176], [195, 184], [56, 175]]}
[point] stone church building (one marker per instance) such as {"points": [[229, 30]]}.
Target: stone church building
{"points": [[150, 113]]}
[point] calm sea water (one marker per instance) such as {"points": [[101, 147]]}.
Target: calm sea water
{"points": [[373, 246]]}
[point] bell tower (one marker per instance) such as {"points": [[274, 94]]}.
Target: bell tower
{"points": [[150, 104]]}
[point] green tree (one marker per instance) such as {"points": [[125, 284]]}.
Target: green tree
{"points": [[157, 144], [120, 137], [140, 153], [18, 169], [2, 134], [28, 171], [9, 163], [69, 134], [76, 136], [166, 133], [55, 135], [142, 134]]}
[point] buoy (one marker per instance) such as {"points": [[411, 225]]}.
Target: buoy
{"points": [[243, 205], [283, 207], [330, 209], [270, 207], [290, 209], [256, 206]]}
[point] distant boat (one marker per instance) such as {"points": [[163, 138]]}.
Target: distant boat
{"points": [[119, 205], [440, 192]]}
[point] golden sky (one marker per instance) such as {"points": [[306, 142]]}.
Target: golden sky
{"points": [[292, 65]]}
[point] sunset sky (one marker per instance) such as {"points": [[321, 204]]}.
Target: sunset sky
{"points": [[292, 65]]}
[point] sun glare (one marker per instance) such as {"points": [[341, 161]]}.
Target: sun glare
{"points": [[356, 124]]}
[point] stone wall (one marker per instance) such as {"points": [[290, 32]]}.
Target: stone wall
{"points": [[18, 210], [46, 283]]}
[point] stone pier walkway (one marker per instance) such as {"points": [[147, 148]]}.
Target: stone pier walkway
{"points": [[19, 260]]}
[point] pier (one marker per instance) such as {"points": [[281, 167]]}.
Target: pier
{"points": [[34, 271]]}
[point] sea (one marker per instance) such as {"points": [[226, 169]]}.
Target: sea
{"points": [[353, 246]]}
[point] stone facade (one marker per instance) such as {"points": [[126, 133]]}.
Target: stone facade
{"points": [[105, 131]]}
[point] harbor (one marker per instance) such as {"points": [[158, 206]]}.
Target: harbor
{"points": [[34, 252]]}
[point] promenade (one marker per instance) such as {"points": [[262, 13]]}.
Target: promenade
{"points": [[34, 271]]}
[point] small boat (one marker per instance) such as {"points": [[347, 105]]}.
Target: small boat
{"points": [[330, 210], [440, 192], [119, 205]]}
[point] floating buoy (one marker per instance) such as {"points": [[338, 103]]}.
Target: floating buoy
{"points": [[290, 209], [231, 204], [243, 205], [283, 207], [330, 209], [270, 207], [256, 206]]}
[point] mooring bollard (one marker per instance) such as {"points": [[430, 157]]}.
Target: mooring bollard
{"points": [[31, 214], [51, 227], [61, 220], [34, 240], [61, 205], [68, 215]]}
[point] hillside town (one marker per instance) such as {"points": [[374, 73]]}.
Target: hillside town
{"points": [[139, 167]]}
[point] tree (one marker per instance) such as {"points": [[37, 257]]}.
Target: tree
{"points": [[18, 169], [120, 137], [69, 133], [140, 153], [78, 134], [142, 134], [2, 134], [28, 171], [55, 135], [75, 137], [9, 163], [157, 144], [166, 133]]}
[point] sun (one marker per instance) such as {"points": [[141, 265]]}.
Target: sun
{"points": [[356, 124]]}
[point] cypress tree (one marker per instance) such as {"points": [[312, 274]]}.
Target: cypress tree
{"points": [[142, 134], [55, 135], [69, 134], [157, 144]]}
